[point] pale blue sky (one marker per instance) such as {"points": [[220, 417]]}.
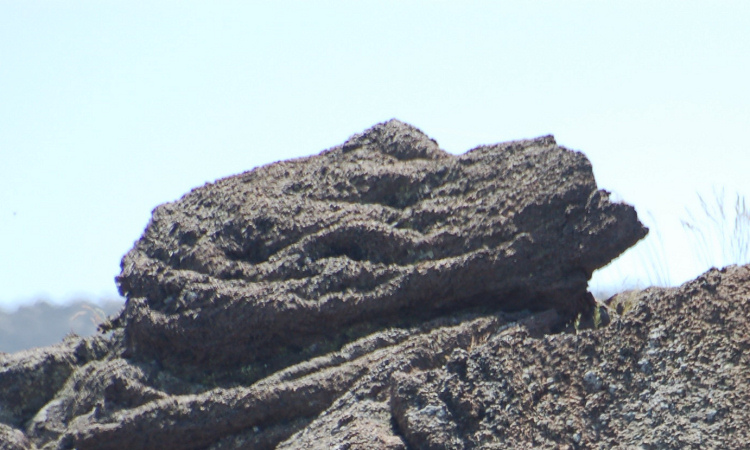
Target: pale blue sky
{"points": [[110, 108]]}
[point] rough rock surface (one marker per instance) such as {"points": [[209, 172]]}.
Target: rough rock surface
{"points": [[672, 372], [387, 295], [383, 227]]}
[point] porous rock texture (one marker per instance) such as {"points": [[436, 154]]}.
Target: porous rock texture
{"points": [[387, 295], [281, 259]]}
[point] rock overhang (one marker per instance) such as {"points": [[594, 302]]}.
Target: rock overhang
{"points": [[384, 226]]}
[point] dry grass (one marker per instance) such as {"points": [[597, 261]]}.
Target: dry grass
{"points": [[720, 229], [718, 234], [654, 257]]}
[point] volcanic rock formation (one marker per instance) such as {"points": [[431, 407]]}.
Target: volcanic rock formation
{"points": [[282, 259], [388, 295]]}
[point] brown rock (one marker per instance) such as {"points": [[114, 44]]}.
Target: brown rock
{"points": [[288, 258]]}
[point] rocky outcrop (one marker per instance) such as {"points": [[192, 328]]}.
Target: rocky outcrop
{"points": [[285, 259], [385, 294]]}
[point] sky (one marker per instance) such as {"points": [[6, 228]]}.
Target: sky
{"points": [[108, 109]]}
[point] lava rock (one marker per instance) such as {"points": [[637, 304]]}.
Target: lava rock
{"points": [[287, 258]]}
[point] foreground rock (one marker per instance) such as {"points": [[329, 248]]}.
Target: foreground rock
{"points": [[386, 294], [669, 371]]}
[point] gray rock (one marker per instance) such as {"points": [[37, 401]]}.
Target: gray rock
{"points": [[31, 378], [12, 439], [592, 380]]}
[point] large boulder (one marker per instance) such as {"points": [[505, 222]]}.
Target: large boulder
{"points": [[291, 258]]}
